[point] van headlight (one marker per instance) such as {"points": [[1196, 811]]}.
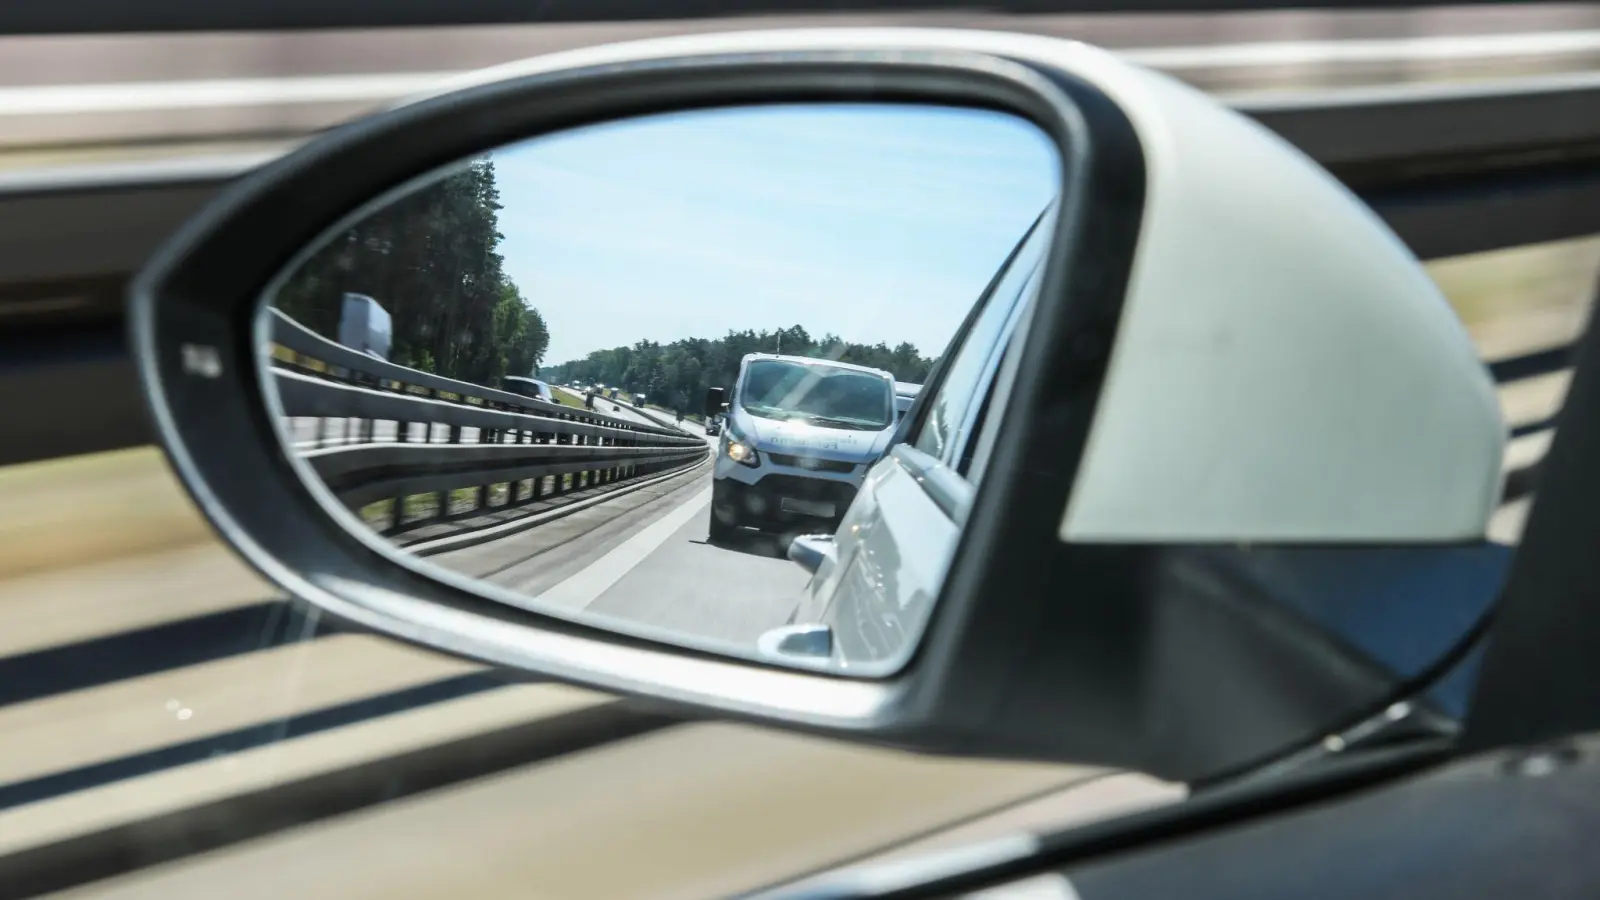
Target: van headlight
{"points": [[739, 451]]}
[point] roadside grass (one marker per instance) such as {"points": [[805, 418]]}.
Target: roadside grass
{"points": [[1523, 298], [69, 511], [566, 397]]}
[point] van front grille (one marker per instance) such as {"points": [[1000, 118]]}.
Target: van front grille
{"points": [[812, 463]]}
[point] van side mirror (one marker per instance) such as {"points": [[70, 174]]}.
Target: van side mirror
{"points": [[713, 403]]}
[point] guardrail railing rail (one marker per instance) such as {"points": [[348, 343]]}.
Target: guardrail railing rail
{"points": [[407, 448]]}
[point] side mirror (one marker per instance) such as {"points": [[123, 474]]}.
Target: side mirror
{"points": [[713, 401], [1196, 485]]}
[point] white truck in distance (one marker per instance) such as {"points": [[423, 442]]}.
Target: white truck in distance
{"points": [[364, 326]]}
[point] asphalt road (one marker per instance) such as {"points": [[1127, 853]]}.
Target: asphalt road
{"points": [[642, 558], [639, 557]]}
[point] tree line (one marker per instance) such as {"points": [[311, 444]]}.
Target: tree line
{"points": [[676, 375], [431, 259]]}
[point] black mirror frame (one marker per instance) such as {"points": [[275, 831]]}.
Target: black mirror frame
{"points": [[1009, 666]]}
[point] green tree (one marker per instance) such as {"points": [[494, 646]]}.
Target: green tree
{"points": [[676, 375], [431, 258]]}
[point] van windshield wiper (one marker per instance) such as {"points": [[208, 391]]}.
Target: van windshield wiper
{"points": [[843, 422], [774, 412]]}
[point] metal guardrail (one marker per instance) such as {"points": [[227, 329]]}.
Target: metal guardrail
{"points": [[535, 450], [288, 333]]}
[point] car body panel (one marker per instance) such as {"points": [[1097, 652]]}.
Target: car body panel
{"points": [[891, 569]]}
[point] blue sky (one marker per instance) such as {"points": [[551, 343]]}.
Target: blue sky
{"points": [[875, 222]]}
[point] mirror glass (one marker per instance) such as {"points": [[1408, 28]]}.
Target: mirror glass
{"points": [[666, 373]]}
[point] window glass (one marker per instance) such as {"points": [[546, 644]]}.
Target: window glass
{"points": [[819, 393], [977, 436], [964, 383]]}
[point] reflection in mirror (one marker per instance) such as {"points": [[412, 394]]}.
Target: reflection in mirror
{"points": [[613, 373]]}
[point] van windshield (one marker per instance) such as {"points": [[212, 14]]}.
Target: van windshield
{"points": [[818, 393]]}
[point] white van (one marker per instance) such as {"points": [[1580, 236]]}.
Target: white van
{"points": [[797, 438]]}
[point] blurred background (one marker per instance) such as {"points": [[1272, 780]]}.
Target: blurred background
{"points": [[152, 689]]}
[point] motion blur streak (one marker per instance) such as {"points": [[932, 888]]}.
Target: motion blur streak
{"points": [[116, 90]]}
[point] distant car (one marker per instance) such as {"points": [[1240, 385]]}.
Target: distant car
{"points": [[528, 387], [713, 426], [905, 394]]}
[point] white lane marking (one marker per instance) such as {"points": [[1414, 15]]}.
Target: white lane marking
{"points": [[59, 99], [129, 96], [1049, 886], [1400, 50], [183, 165], [888, 877], [515, 526], [586, 586]]}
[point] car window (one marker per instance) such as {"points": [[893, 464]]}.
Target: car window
{"points": [[978, 435], [950, 414]]}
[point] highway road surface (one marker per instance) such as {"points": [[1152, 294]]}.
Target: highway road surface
{"points": [[636, 554], [643, 558]]}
